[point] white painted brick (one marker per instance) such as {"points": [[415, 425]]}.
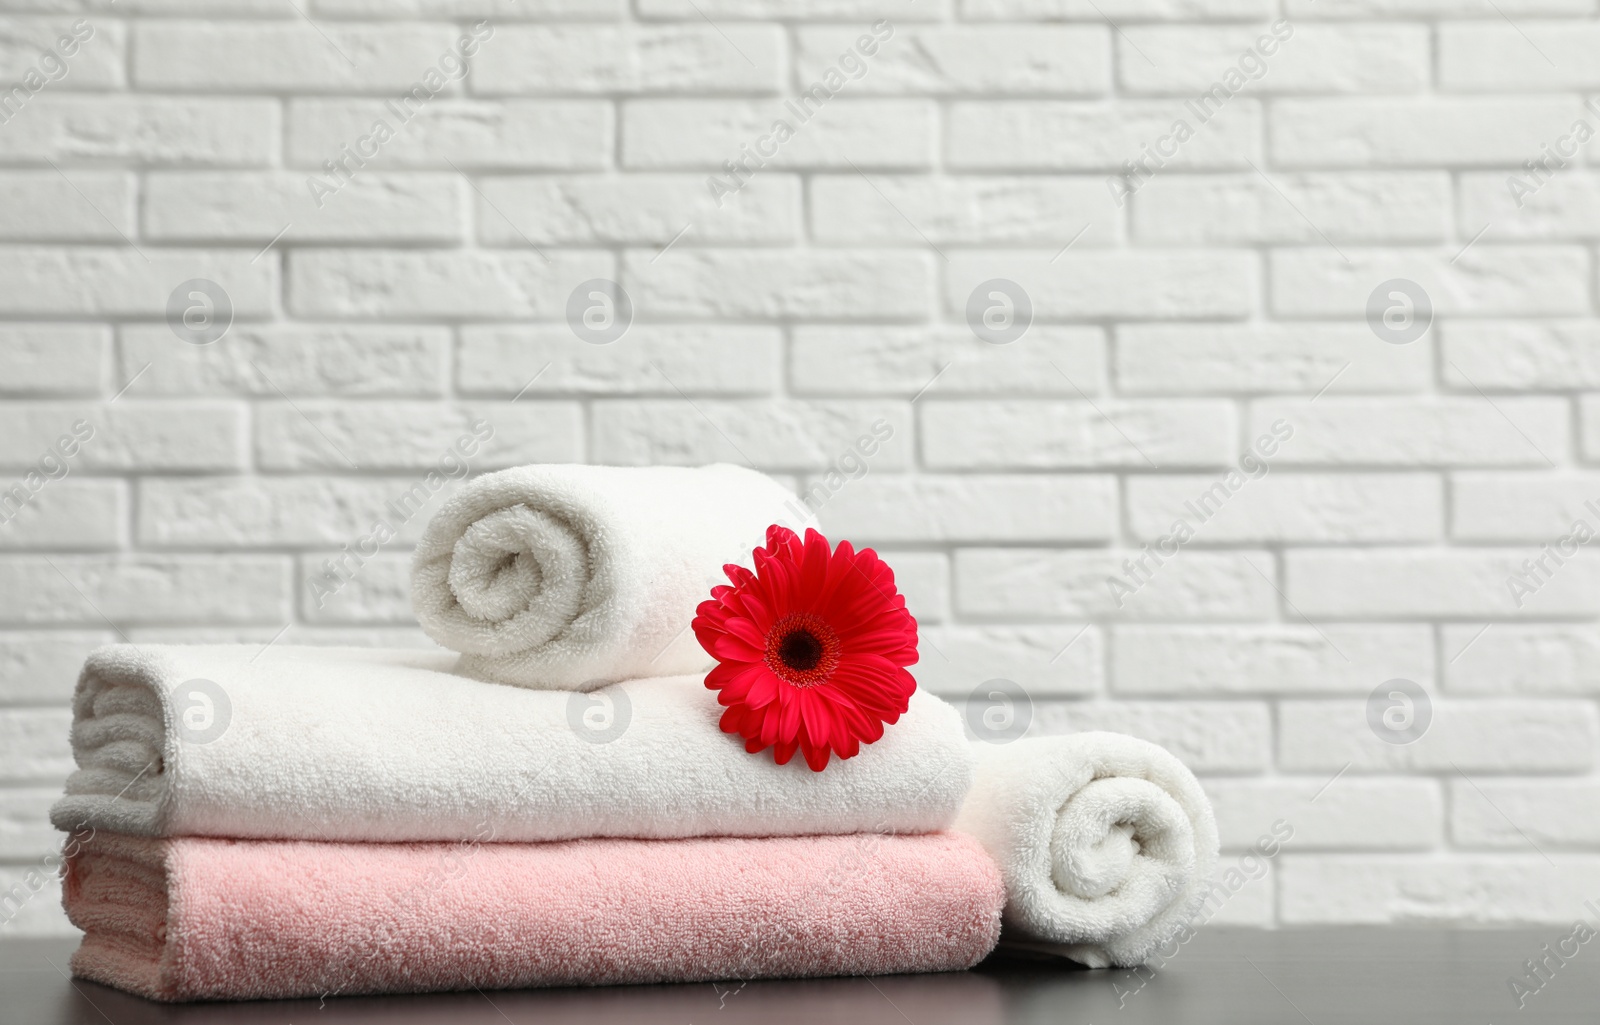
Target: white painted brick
{"points": [[166, 130], [1589, 431], [1350, 815], [1511, 658], [1251, 905], [949, 60], [266, 512], [1520, 354], [1040, 434], [1420, 132], [844, 359], [704, 133], [1209, 736], [25, 829], [1464, 735], [1349, 889], [331, 435], [1224, 209], [42, 666], [1516, 815], [496, 12], [46, 206], [623, 58], [1484, 280], [202, 206], [977, 507], [379, 592], [924, 578], [465, 284], [635, 209], [165, 7], [1041, 583], [296, 56], [1045, 661], [1435, 583], [1141, 10], [93, 281], [919, 211], [855, 11], [270, 360], [297, 633], [1421, 431], [143, 589], [39, 913], [771, 284], [1048, 135], [1440, 9], [1289, 507], [71, 513], [1294, 357], [648, 359], [1267, 659], [1507, 56], [1124, 284], [53, 358], [95, 61], [775, 434], [1516, 205], [1534, 507], [512, 134], [1191, 60], [130, 435]]}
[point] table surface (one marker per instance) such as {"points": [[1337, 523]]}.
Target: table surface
{"points": [[1370, 976]]}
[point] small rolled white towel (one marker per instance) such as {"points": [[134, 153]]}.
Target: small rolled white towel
{"points": [[1106, 843], [569, 577]]}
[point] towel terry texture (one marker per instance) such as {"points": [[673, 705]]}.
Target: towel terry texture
{"points": [[568, 577], [1106, 843], [384, 745], [200, 918]]}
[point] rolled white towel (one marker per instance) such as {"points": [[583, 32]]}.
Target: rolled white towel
{"points": [[366, 744], [570, 577], [1106, 843]]}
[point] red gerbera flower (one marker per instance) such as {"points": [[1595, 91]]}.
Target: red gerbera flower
{"points": [[811, 648]]}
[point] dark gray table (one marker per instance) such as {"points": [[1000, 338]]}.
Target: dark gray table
{"points": [[1227, 976]]}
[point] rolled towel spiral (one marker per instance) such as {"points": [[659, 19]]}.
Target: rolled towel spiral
{"points": [[1106, 843], [569, 577]]}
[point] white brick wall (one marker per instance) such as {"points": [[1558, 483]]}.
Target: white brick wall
{"points": [[1226, 293]]}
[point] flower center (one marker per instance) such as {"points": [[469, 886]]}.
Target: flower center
{"points": [[802, 649]]}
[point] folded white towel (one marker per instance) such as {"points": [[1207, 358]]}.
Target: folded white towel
{"points": [[367, 744], [1106, 843], [571, 577]]}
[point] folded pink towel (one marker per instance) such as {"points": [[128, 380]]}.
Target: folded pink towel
{"points": [[195, 918]]}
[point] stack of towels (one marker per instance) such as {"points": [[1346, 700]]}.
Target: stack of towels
{"points": [[552, 801]]}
